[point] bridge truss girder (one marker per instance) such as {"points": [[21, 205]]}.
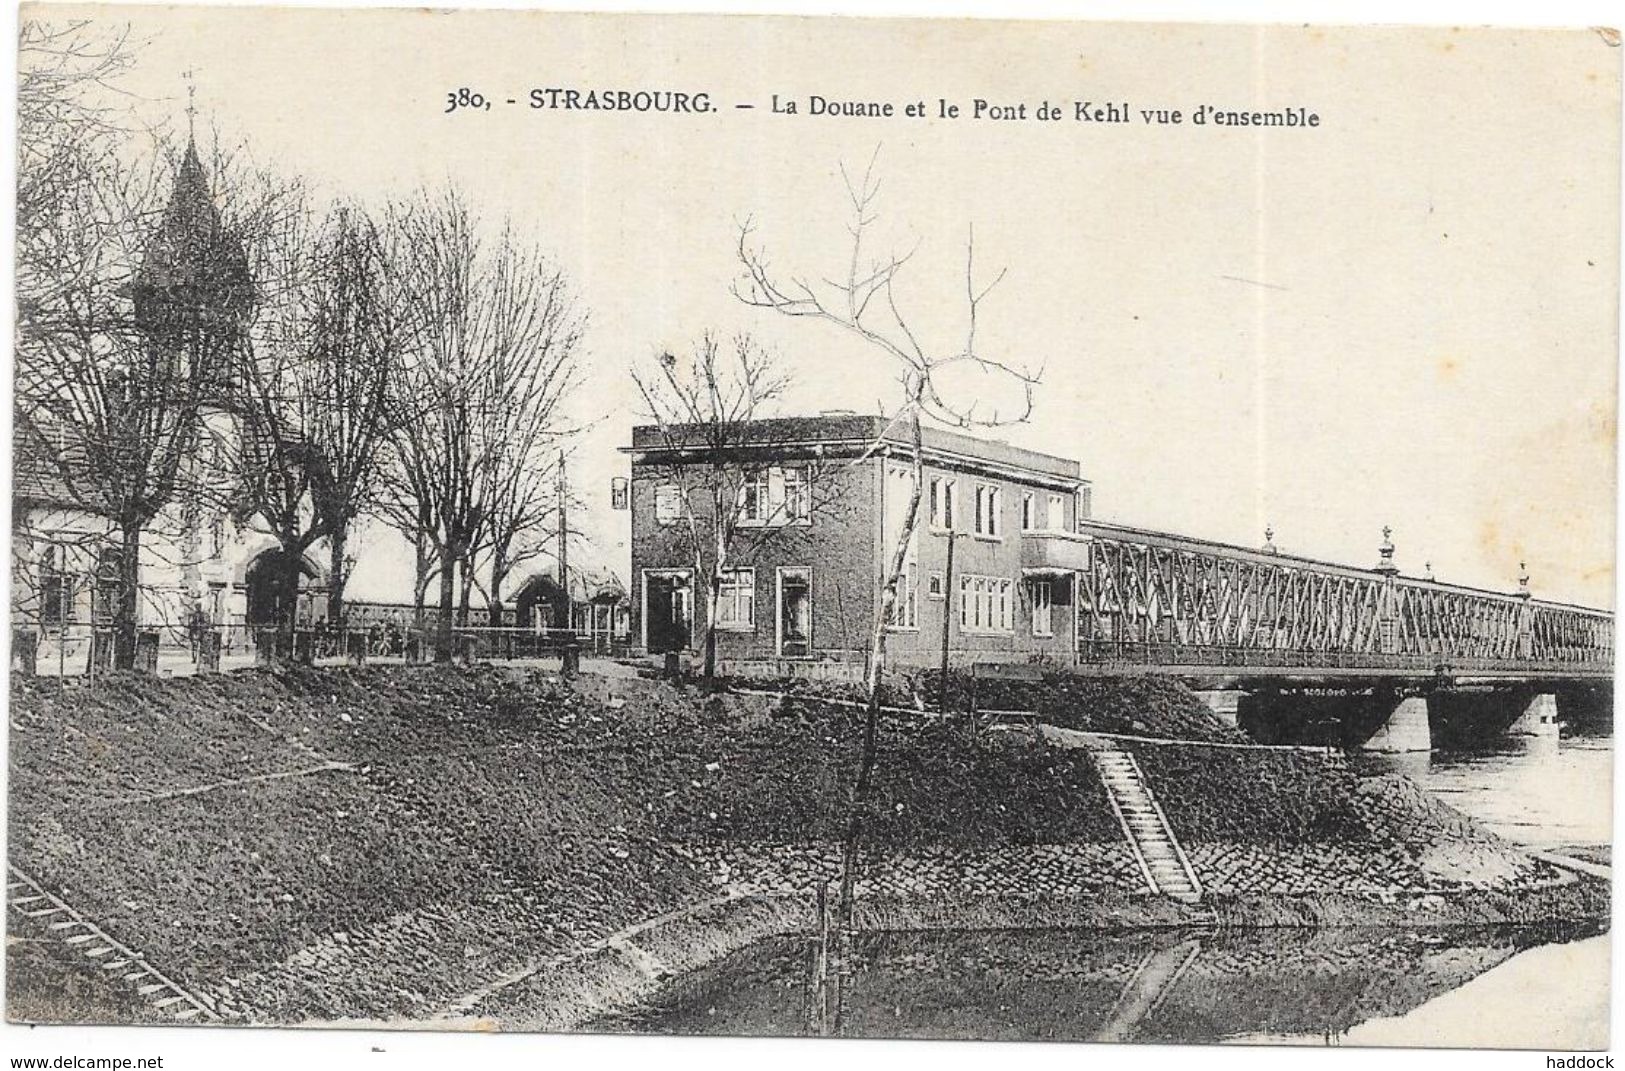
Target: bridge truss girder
{"points": [[1178, 602]]}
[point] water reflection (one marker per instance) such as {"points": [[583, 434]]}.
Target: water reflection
{"points": [[1308, 986]]}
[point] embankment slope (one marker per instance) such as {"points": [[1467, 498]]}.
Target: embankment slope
{"points": [[388, 844]]}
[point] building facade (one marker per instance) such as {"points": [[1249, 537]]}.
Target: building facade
{"points": [[821, 502], [191, 299]]}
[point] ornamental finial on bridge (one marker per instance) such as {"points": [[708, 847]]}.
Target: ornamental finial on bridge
{"points": [[1523, 580], [1269, 540], [1427, 570], [1386, 564]]}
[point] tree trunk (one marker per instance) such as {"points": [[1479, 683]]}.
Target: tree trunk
{"points": [[719, 562], [465, 594], [499, 573], [420, 581], [288, 598], [858, 806], [713, 599], [711, 632], [448, 590], [337, 576], [127, 610]]}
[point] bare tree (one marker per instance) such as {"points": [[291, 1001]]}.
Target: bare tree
{"points": [[362, 327], [862, 301], [481, 393], [429, 485], [533, 334], [70, 119], [100, 406], [114, 363], [314, 391], [704, 406]]}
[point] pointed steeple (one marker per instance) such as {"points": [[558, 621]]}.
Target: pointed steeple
{"points": [[191, 247], [193, 293]]}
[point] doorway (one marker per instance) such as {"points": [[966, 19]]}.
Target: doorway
{"points": [[795, 612], [668, 610], [267, 604]]}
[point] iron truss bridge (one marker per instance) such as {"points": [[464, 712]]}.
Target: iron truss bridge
{"points": [[1152, 600]]}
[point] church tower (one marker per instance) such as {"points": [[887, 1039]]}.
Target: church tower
{"points": [[193, 293], [194, 300]]}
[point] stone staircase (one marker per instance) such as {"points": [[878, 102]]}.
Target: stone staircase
{"points": [[1162, 861]]}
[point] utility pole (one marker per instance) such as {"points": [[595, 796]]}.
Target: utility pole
{"points": [[947, 623], [64, 608], [90, 660], [564, 545]]}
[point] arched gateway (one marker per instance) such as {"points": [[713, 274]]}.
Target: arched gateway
{"points": [[262, 586]]}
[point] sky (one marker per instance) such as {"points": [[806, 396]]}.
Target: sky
{"points": [[1404, 316]]}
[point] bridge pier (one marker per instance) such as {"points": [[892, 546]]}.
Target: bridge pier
{"points": [[1406, 729], [1225, 702], [1539, 717]]}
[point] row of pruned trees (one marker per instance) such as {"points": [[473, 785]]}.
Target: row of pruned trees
{"points": [[300, 365], [474, 474]]}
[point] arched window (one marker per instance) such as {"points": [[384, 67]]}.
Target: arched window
{"points": [[55, 588]]}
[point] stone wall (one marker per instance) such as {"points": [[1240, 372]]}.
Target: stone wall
{"points": [[1051, 870], [1059, 871], [1238, 869]]}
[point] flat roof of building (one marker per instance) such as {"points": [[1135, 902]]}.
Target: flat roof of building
{"points": [[857, 432]]}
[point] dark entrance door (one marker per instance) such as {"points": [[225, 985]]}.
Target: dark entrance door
{"points": [[668, 612], [795, 613], [263, 587]]}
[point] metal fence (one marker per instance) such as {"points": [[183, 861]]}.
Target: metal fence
{"points": [[84, 650]]}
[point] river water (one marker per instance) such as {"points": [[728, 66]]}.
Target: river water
{"points": [[1545, 792], [1541, 791], [1468, 987]]}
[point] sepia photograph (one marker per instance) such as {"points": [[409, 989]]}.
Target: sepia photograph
{"points": [[776, 526]]}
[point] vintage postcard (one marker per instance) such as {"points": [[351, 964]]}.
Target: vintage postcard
{"points": [[813, 527]]}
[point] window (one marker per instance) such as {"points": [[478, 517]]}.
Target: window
{"points": [[942, 502], [668, 503], [984, 604], [1029, 511], [797, 496], [1043, 601], [1083, 502], [109, 584], [1056, 521], [775, 496], [935, 586], [987, 510], [54, 587], [755, 499], [905, 610], [736, 601]]}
